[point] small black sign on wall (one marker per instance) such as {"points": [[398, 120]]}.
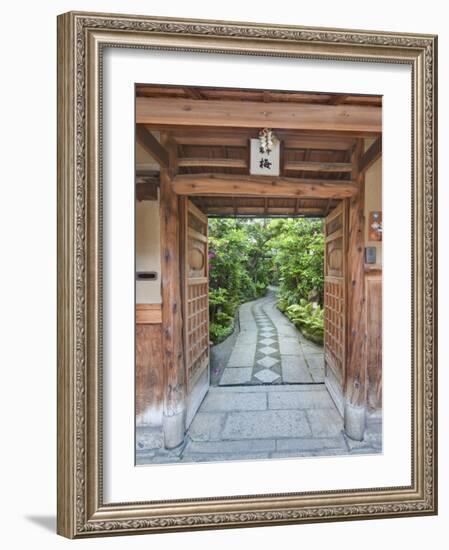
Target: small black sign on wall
{"points": [[370, 254], [146, 275]]}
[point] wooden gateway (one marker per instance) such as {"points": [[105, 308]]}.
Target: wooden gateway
{"points": [[192, 161]]}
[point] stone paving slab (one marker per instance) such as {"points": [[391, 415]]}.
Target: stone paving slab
{"points": [[267, 362], [372, 439], [315, 361], [312, 444], [301, 400], [295, 370], [236, 375], [222, 457], [267, 376], [324, 453], [266, 424], [149, 438], [260, 434], [223, 402], [265, 389], [207, 426], [242, 356], [317, 374], [290, 346], [324, 422], [311, 348], [240, 446], [287, 331]]}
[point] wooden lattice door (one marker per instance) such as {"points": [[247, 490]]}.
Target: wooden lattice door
{"points": [[335, 233], [194, 254]]}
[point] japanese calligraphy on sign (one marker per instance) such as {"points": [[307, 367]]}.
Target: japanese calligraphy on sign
{"points": [[264, 162]]}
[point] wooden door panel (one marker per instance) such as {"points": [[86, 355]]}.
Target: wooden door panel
{"points": [[194, 255], [335, 232]]}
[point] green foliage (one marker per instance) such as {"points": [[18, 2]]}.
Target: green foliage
{"points": [[238, 270], [246, 255], [218, 332], [298, 256], [309, 319]]}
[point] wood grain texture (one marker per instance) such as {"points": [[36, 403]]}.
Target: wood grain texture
{"points": [[238, 137], [373, 283], [252, 114], [355, 389], [213, 162], [195, 291], [172, 345], [371, 155], [148, 314], [152, 145], [335, 233], [149, 374], [265, 186], [318, 166]]}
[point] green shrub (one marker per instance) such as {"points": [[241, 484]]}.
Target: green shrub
{"points": [[218, 333], [309, 319], [247, 255]]}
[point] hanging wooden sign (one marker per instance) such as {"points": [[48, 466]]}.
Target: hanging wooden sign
{"points": [[264, 162]]}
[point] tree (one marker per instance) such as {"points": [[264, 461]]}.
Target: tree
{"points": [[297, 249], [237, 271], [246, 255]]}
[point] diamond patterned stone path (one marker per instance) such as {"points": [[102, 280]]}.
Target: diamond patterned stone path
{"points": [[270, 350]]}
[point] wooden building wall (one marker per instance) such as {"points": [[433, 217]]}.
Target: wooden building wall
{"points": [[149, 375], [373, 289]]}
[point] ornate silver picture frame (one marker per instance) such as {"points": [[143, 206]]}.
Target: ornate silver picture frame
{"points": [[82, 40]]}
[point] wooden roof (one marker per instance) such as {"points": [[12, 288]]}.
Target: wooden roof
{"points": [[264, 96], [212, 155]]}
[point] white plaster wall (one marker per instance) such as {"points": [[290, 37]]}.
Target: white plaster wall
{"points": [[148, 251]]}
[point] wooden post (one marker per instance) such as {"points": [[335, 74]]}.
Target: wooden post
{"points": [[356, 357], [172, 347]]}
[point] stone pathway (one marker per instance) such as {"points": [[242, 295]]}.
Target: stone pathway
{"points": [[270, 402], [270, 350], [261, 422]]}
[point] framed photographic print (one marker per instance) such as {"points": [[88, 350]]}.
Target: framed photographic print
{"points": [[247, 274]]}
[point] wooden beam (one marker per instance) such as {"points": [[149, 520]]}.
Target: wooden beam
{"points": [[238, 137], [370, 156], [194, 93], [253, 114], [148, 314], [259, 210], [266, 96], [315, 142], [148, 175], [265, 186], [152, 145], [337, 99], [212, 162], [318, 166], [209, 137], [172, 341], [356, 358]]}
